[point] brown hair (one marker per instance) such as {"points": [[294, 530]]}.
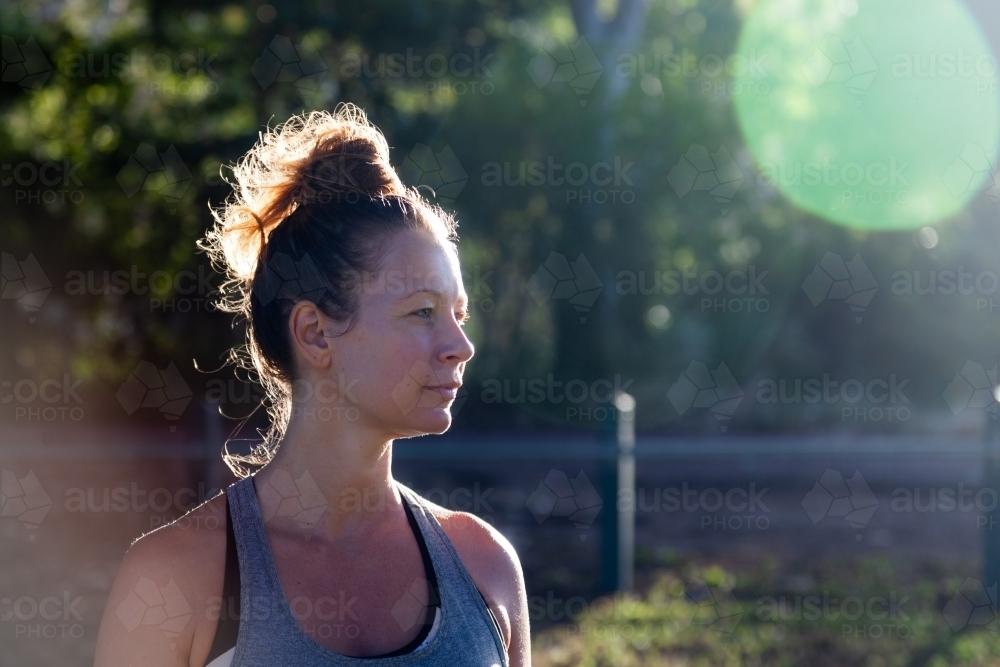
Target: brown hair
{"points": [[314, 202]]}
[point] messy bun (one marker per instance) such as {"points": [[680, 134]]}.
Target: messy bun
{"points": [[312, 203]]}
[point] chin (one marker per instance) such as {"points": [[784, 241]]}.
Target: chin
{"points": [[429, 421], [437, 420]]}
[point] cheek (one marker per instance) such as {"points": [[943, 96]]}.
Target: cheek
{"points": [[408, 370], [392, 366], [397, 353]]}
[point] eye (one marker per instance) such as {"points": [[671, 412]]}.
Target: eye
{"points": [[462, 316], [423, 312]]}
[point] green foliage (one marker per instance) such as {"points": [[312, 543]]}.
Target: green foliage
{"points": [[703, 615], [151, 77]]}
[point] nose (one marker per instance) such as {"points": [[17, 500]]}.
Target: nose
{"points": [[458, 349]]}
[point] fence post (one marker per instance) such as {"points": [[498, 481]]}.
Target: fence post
{"points": [[625, 405], [991, 532], [618, 481]]}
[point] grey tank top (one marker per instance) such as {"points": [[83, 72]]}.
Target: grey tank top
{"points": [[269, 634]]}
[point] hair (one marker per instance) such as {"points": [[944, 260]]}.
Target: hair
{"points": [[313, 203]]}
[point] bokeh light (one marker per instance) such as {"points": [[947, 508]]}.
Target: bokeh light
{"points": [[879, 115]]}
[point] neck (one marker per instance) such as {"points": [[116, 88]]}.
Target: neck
{"points": [[328, 479]]}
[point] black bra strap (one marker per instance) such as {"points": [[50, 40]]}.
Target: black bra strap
{"points": [[435, 599], [432, 583], [229, 610], [433, 604]]}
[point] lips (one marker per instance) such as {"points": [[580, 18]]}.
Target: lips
{"points": [[448, 390]]}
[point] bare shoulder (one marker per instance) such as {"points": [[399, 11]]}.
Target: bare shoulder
{"points": [[163, 605], [495, 568], [479, 542]]}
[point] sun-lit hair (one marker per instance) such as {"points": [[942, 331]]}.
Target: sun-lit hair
{"points": [[312, 203]]}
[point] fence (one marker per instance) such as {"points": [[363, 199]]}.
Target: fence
{"points": [[616, 450]]}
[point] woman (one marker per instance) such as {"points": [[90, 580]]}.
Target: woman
{"points": [[353, 296]]}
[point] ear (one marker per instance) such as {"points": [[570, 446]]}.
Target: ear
{"points": [[307, 324]]}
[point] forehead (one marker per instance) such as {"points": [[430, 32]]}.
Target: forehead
{"points": [[416, 260]]}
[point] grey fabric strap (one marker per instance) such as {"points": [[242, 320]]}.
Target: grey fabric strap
{"points": [[269, 634]]}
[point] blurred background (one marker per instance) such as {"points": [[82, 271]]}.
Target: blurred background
{"points": [[733, 280]]}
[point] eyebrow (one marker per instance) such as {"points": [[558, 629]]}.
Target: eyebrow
{"points": [[463, 297]]}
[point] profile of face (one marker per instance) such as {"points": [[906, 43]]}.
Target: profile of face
{"points": [[398, 369]]}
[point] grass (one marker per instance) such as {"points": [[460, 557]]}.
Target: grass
{"points": [[866, 613]]}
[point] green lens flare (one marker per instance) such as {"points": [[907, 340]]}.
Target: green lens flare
{"points": [[875, 114]]}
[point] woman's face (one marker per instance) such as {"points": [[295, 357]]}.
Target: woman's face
{"points": [[403, 361]]}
